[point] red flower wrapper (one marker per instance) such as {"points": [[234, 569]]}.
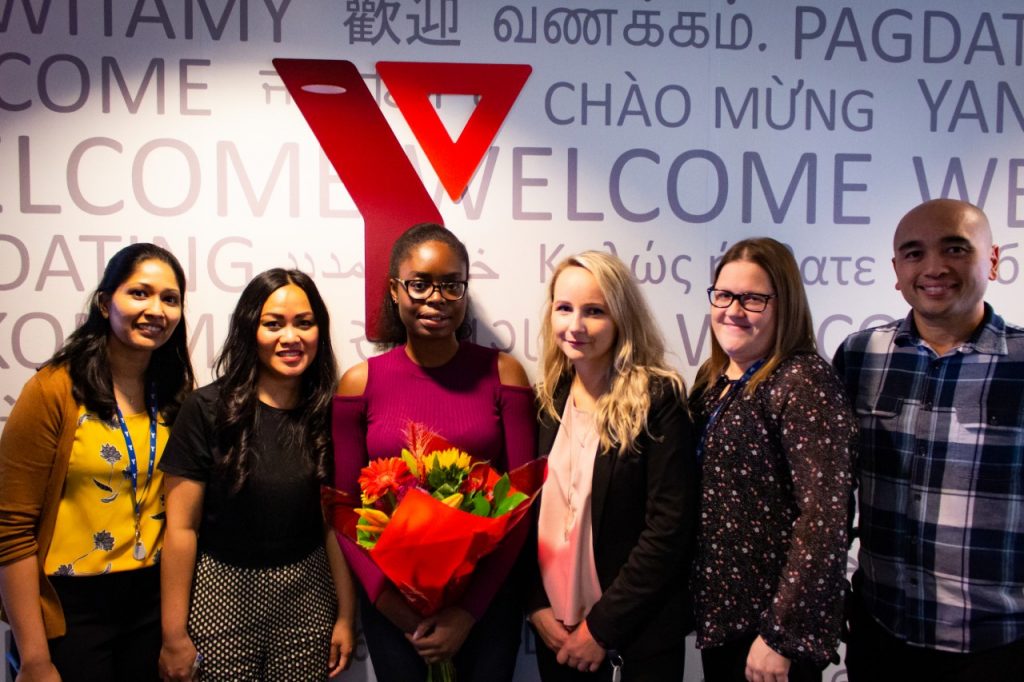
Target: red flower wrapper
{"points": [[427, 547]]}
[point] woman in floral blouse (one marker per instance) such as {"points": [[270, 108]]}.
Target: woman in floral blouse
{"points": [[81, 505], [776, 458]]}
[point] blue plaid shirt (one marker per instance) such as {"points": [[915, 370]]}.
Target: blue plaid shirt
{"points": [[941, 475]]}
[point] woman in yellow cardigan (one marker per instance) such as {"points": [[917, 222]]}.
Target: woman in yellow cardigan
{"points": [[81, 506]]}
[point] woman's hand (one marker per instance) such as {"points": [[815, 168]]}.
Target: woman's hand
{"points": [[38, 671], [550, 629], [439, 637], [343, 638], [178, 659], [581, 650], [19, 592], [764, 664]]}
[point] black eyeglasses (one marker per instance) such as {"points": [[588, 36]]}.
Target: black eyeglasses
{"points": [[754, 303], [422, 289]]}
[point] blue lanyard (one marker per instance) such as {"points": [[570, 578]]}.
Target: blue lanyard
{"points": [[735, 387], [139, 551]]}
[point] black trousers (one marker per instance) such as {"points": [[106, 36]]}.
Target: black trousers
{"points": [[488, 654], [874, 655], [727, 663], [113, 627]]}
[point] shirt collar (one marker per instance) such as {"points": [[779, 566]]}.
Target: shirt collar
{"points": [[989, 338]]}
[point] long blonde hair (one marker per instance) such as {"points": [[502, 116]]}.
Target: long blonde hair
{"points": [[638, 354], [794, 331]]}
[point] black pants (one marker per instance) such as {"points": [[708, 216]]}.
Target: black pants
{"points": [[666, 667], [728, 662], [488, 654], [113, 627], [874, 655]]}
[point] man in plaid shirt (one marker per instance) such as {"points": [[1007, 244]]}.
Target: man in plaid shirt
{"points": [[939, 593]]}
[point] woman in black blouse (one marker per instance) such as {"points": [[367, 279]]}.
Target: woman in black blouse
{"points": [[776, 459], [254, 585]]}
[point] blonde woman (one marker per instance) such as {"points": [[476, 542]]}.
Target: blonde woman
{"points": [[617, 511]]}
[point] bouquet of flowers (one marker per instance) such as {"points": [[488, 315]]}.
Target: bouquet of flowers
{"points": [[427, 517]]}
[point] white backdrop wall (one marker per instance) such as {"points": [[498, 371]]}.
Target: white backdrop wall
{"points": [[661, 130]]}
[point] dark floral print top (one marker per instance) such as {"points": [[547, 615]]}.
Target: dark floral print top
{"points": [[777, 472]]}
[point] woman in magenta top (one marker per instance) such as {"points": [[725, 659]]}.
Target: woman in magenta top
{"points": [[476, 398]]}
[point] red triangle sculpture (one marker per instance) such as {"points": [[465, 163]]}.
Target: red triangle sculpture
{"points": [[412, 83]]}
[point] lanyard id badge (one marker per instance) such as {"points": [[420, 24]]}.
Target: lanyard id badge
{"points": [[735, 388], [139, 550]]}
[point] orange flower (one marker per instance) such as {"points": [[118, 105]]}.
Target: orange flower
{"points": [[382, 476]]}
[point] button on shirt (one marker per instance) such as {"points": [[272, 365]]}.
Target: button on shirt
{"points": [[941, 476]]}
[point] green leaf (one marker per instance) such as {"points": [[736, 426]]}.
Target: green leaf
{"points": [[509, 503], [435, 476], [501, 489], [439, 492], [479, 505], [367, 540], [410, 462]]}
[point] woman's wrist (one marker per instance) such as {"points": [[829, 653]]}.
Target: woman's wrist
{"points": [[35, 658], [175, 636]]}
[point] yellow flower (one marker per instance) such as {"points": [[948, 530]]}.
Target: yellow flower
{"points": [[453, 500], [371, 520], [373, 517], [446, 458]]}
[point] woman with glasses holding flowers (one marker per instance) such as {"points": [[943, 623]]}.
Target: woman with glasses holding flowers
{"points": [[776, 454], [254, 585], [81, 505], [474, 397], [617, 511]]}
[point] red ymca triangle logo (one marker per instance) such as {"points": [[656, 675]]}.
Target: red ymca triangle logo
{"points": [[411, 84], [370, 161]]}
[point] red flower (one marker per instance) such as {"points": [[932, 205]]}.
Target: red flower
{"points": [[382, 476]]}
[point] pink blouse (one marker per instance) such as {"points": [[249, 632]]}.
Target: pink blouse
{"points": [[565, 547]]}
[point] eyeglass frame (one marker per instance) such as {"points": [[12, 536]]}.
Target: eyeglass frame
{"points": [[434, 286], [734, 297]]}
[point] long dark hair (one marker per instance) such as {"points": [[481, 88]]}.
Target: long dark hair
{"points": [[392, 331], [238, 367], [85, 351]]}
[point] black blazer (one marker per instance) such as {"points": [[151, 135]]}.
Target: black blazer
{"points": [[644, 508]]}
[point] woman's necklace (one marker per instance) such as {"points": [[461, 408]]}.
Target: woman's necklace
{"points": [[579, 436], [570, 504]]}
